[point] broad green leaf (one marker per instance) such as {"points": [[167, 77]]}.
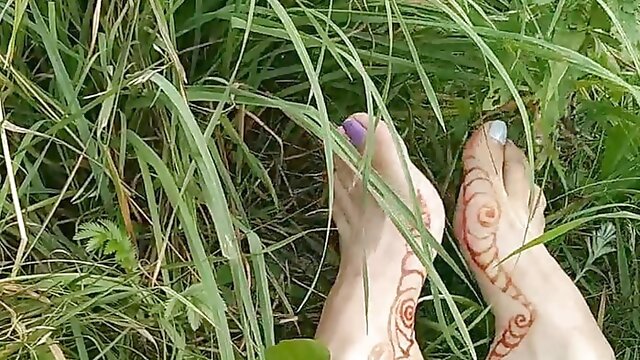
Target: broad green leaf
{"points": [[298, 349]]}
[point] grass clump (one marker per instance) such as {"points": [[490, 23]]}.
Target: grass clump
{"points": [[165, 188]]}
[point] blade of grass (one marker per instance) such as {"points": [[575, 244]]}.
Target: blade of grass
{"points": [[554, 233], [424, 79], [188, 221], [262, 288], [163, 28], [624, 38], [14, 195], [155, 223], [215, 199], [49, 39], [493, 59], [303, 55], [20, 8]]}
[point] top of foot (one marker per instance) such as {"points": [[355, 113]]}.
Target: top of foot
{"points": [[539, 311], [368, 239]]}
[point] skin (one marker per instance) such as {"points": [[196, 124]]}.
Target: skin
{"points": [[539, 312], [368, 238]]}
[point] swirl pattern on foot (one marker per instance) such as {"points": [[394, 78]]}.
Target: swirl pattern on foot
{"points": [[480, 220], [403, 310]]}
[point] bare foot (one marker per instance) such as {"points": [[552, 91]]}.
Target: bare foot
{"points": [[539, 312], [395, 275]]}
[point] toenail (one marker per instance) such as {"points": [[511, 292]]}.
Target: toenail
{"points": [[498, 131], [355, 131]]}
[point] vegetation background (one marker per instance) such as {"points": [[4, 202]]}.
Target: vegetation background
{"points": [[164, 194]]}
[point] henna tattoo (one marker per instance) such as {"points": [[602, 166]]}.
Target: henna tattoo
{"points": [[480, 242], [403, 310]]}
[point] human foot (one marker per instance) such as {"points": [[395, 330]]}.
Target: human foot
{"points": [[539, 312], [385, 329]]}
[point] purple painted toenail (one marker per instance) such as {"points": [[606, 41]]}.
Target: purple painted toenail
{"points": [[355, 131]]}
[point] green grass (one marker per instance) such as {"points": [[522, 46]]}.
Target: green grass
{"points": [[167, 163]]}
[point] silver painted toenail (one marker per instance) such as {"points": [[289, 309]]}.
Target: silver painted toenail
{"points": [[498, 131]]}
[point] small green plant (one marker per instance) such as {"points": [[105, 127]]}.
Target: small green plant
{"points": [[599, 245], [106, 237]]}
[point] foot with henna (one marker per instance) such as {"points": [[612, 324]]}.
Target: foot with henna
{"points": [[385, 328], [539, 312]]}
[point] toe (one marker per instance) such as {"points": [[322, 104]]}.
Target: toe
{"points": [[345, 188], [539, 204], [344, 174], [484, 151], [385, 155], [343, 195], [482, 198], [340, 218], [518, 184], [517, 181]]}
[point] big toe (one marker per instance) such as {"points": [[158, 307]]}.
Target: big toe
{"points": [[483, 196], [386, 159], [484, 152]]}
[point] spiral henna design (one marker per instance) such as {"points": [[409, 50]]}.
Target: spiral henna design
{"points": [[481, 208], [403, 310]]}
